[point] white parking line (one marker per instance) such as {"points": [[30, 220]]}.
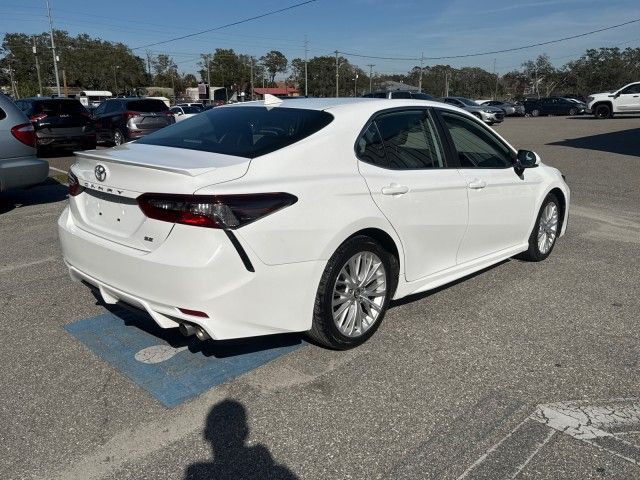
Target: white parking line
{"points": [[57, 170], [11, 268]]}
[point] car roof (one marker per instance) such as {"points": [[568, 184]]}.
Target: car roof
{"points": [[367, 106], [48, 99]]}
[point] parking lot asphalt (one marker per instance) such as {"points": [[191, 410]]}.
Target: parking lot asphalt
{"points": [[456, 384]]}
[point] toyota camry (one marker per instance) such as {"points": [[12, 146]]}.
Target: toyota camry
{"points": [[306, 215]]}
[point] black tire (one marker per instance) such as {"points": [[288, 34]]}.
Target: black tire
{"points": [[533, 253], [573, 112], [602, 111], [118, 137], [535, 112], [324, 330]]}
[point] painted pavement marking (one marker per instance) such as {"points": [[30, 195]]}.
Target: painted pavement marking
{"points": [[169, 366], [598, 423]]}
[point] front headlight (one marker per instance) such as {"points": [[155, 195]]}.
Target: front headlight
{"points": [[486, 110]]}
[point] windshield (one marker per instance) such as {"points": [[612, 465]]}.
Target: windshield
{"points": [[466, 101], [191, 110], [242, 131]]}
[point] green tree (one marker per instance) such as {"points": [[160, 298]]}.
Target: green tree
{"points": [[274, 62]]}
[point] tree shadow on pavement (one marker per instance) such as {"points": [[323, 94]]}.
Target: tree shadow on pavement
{"points": [[624, 142], [227, 432], [50, 191]]}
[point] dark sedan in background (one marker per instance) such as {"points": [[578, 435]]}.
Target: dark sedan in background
{"points": [[553, 106], [59, 123]]}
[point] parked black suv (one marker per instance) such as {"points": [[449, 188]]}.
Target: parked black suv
{"points": [[59, 122], [120, 120]]}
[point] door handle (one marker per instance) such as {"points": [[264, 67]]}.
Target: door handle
{"points": [[476, 184], [395, 189]]}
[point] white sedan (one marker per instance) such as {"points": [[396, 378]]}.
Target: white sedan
{"points": [[306, 215], [183, 112]]}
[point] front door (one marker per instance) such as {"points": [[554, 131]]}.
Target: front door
{"points": [[629, 99], [501, 203], [402, 161]]}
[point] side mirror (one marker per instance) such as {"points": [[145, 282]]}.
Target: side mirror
{"points": [[525, 159]]}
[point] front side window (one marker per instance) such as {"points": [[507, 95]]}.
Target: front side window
{"points": [[410, 140], [242, 131], [631, 89], [475, 145]]}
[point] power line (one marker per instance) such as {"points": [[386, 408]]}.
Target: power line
{"points": [[245, 20], [514, 49]]}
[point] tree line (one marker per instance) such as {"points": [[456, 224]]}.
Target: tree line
{"points": [[94, 64]]}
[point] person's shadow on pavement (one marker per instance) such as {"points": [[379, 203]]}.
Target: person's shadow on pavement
{"points": [[227, 431]]}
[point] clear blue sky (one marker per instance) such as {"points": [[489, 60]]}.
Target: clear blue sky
{"points": [[399, 28]]}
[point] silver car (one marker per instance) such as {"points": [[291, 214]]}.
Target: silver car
{"points": [[489, 115], [19, 166]]}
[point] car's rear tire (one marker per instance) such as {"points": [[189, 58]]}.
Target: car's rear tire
{"points": [[118, 137], [603, 111], [535, 112], [545, 231], [354, 293]]}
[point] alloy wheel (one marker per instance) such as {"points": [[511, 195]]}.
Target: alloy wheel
{"points": [[548, 228], [359, 294]]}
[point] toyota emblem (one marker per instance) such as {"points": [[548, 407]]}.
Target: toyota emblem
{"points": [[101, 173]]}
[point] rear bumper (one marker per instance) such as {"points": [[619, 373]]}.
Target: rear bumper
{"points": [[22, 172], [64, 140], [196, 269]]}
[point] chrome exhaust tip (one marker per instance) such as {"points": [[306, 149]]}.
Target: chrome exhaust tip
{"points": [[201, 334], [187, 329]]}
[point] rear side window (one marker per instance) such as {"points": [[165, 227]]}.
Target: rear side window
{"points": [[242, 131], [149, 105], [410, 140]]}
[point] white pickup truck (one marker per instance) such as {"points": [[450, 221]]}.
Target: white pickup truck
{"points": [[624, 100]]}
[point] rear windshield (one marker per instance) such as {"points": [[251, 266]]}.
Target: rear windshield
{"points": [[149, 105], [58, 107], [422, 96], [242, 131]]}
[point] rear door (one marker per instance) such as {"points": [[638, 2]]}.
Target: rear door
{"points": [[501, 203], [402, 161]]}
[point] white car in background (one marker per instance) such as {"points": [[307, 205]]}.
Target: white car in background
{"points": [[182, 113], [304, 216], [624, 100]]}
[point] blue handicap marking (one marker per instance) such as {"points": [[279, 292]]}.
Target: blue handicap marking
{"points": [[169, 366]]}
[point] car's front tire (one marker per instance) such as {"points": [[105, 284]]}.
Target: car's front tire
{"points": [[602, 111], [545, 231], [573, 112], [535, 112], [118, 137], [354, 293]]}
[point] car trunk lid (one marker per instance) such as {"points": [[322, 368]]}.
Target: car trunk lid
{"points": [[113, 179]]}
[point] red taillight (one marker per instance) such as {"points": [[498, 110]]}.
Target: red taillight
{"points": [[128, 115], [25, 133], [213, 211], [74, 185], [195, 313], [37, 116]]}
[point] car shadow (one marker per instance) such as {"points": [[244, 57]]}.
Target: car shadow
{"points": [[132, 316], [227, 431], [595, 119], [49, 191], [624, 142], [419, 296]]}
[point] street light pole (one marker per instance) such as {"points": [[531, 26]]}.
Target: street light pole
{"points": [[53, 48], [371, 65], [115, 77], [35, 54], [355, 86], [420, 81]]}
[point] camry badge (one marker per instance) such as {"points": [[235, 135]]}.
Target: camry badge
{"points": [[101, 172]]}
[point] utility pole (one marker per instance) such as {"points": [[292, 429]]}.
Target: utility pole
{"points": [[148, 52], [495, 95], [420, 80], [64, 81], [446, 83], [35, 54], [53, 48], [14, 88], [355, 86], [306, 54], [115, 78], [337, 78], [370, 65], [251, 59], [209, 70]]}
